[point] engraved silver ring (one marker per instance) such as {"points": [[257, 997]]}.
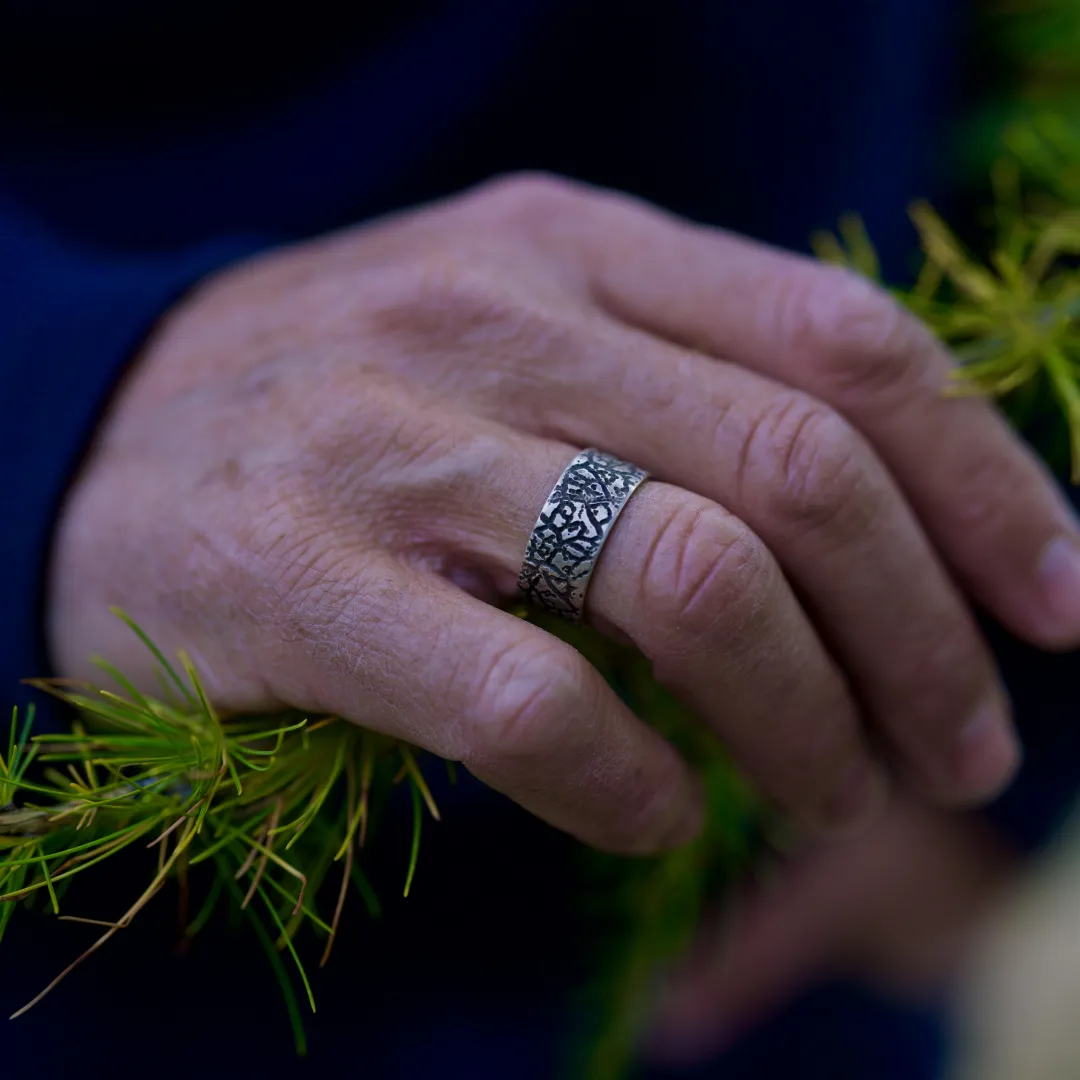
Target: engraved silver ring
{"points": [[571, 530]]}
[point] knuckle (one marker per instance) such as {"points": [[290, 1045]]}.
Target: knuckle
{"points": [[705, 571], [432, 288], [530, 197], [856, 337], [523, 688], [464, 325], [819, 467], [451, 306], [369, 456]]}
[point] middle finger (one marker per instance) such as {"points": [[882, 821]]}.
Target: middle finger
{"points": [[822, 501]]}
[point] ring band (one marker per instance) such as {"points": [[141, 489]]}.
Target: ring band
{"points": [[571, 530]]}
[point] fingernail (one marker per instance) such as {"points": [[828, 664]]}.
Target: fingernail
{"points": [[857, 801], [987, 753], [1059, 574]]}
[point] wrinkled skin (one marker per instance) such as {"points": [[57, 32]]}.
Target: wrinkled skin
{"points": [[323, 468]]}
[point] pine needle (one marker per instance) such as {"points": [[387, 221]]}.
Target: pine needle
{"points": [[414, 852]]}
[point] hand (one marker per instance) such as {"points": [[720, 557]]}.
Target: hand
{"points": [[327, 461], [896, 908]]}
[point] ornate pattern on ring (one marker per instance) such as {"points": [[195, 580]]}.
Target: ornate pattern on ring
{"points": [[571, 529]]}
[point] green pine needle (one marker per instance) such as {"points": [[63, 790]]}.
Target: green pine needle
{"points": [[272, 802], [1012, 319]]}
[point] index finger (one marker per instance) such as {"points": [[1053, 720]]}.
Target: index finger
{"points": [[988, 505]]}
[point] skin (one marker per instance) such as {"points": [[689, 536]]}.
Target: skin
{"points": [[899, 907], [324, 466]]}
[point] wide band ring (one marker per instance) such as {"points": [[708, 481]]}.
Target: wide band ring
{"points": [[571, 530]]}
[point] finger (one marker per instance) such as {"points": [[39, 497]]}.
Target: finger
{"points": [[777, 937], [984, 499], [897, 905], [701, 596], [745, 963], [406, 653], [825, 505]]}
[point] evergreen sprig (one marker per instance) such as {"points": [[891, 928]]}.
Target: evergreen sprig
{"points": [[273, 803], [1011, 319]]}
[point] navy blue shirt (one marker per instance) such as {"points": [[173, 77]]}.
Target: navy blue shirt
{"points": [[144, 145]]}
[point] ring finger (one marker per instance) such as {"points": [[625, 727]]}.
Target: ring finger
{"points": [[699, 593]]}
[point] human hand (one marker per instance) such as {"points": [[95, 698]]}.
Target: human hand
{"points": [[327, 461], [896, 908]]}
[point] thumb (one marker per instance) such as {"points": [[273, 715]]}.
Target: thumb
{"points": [[773, 941]]}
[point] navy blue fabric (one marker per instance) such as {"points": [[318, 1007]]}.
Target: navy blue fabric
{"points": [[142, 146], [69, 321], [837, 1032]]}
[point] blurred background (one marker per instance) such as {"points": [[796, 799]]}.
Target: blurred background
{"points": [[1020, 995]]}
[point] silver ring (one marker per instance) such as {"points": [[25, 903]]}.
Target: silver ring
{"points": [[571, 530]]}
